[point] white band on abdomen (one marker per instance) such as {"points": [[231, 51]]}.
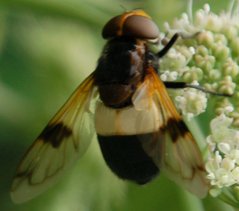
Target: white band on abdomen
{"points": [[126, 121]]}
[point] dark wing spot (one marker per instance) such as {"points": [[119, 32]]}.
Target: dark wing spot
{"points": [[176, 128], [55, 134]]}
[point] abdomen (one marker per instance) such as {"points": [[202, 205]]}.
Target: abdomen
{"points": [[123, 134], [126, 157]]}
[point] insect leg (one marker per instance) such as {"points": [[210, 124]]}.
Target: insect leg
{"points": [[171, 42], [181, 85], [168, 45]]}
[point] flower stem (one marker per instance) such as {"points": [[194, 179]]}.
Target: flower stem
{"points": [[197, 133], [191, 202]]}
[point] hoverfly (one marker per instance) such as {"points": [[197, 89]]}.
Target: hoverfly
{"points": [[137, 125]]}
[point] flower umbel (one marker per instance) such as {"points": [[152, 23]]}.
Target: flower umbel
{"points": [[222, 165], [210, 58]]}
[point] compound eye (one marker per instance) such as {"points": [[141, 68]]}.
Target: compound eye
{"points": [[140, 27], [112, 27], [134, 24]]}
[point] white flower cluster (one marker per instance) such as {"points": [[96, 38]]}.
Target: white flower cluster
{"points": [[191, 102], [211, 59], [223, 163]]}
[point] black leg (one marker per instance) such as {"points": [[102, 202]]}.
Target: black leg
{"points": [[168, 46], [181, 85], [174, 85], [173, 40]]}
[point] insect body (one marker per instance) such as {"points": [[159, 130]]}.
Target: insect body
{"points": [[138, 127]]}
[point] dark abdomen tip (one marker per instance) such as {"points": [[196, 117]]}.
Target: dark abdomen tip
{"points": [[127, 159]]}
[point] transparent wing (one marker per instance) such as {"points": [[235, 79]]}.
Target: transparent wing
{"points": [[173, 149], [60, 144]]}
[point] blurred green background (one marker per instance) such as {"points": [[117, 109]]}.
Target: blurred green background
{"points": [[46, 49]]}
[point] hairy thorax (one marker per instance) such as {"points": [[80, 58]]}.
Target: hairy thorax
{"points": [[120, 69]]}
